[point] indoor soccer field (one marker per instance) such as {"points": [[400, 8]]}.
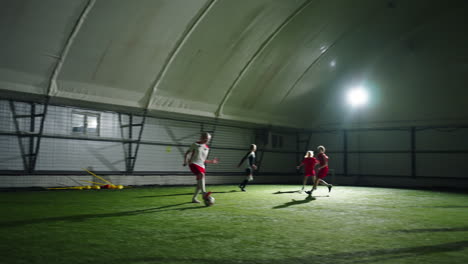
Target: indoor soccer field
{"points": [[267, 224], [118, 117]]}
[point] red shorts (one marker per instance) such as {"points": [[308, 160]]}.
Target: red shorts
{"points": [[322, 173], [197, 170], [309, 173]]}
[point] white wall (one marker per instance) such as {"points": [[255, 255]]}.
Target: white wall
{"points": [[384, 157], [164, 142], [374, 157]]}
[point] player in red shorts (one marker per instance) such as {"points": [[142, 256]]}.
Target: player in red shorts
{"points": [[322, 170], [197, 154], [309, 163]]}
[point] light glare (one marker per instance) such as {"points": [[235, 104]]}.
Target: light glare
{"points": [[357, 96]]}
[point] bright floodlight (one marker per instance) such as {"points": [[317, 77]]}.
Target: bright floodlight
{"points": [[357, 96]]}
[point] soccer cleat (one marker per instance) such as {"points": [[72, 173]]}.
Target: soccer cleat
{"points": [[206, 195], [195, 201], [243, 189], [309, 192], [330, 187], [206, 198]]}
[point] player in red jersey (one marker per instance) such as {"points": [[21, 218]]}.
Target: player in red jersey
{"points": [[309, 163], [322, 170], [196, 160]]}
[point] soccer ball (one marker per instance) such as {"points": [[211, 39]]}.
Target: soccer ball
{"points": [[209, 201]]}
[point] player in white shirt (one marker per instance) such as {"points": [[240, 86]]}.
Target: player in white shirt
{"points": [[195, 157], [251, 166]]}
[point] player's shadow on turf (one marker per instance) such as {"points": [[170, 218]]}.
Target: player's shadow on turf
{"points": [[163, 195], [178, 194], [231, 191], [295, 202], [85, 217], [279, 192]]}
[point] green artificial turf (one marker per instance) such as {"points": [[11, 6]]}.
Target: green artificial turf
{"points": [[267, 224]]}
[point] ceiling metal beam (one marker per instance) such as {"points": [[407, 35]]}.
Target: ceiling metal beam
{"points": [[52, 89], [261, 48], [177, 47]]}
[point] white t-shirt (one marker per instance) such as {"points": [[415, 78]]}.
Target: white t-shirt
{"points": [[200, 154]]}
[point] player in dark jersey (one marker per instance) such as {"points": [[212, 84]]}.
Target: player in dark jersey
{"points": [[251, 166]]}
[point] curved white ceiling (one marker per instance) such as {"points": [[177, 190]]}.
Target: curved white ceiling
{"points": [[274, 62]]}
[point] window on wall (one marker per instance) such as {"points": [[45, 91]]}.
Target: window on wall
{"points": [[85, 123], [276, 141]]}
